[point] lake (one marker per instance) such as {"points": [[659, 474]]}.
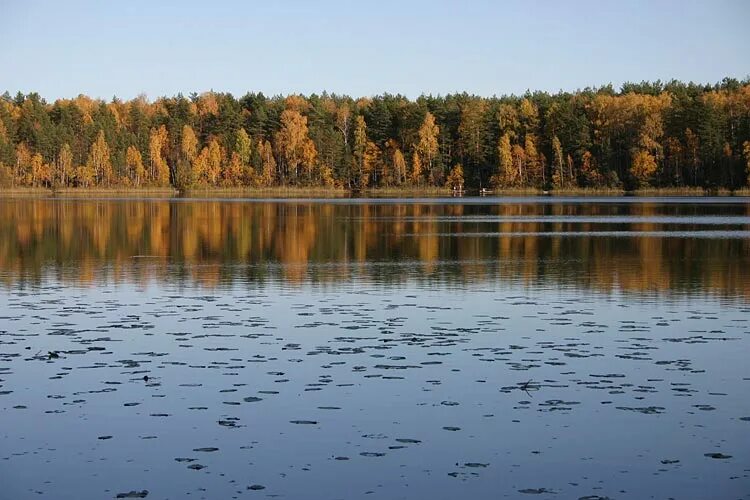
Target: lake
{"points": [[388, 348]]}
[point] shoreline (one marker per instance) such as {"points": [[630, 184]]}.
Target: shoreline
{"points": [[325, 192], [266, 192]]}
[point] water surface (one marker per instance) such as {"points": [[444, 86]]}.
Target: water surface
{"points": [[486, 348]]}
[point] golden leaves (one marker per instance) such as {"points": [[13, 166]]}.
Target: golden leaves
{"points": [[134, 165], [189, 143], [99, 160], [294, 144], [455, 178], [159, 170], [643, 167]]}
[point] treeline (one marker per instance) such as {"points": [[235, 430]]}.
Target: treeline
{"points": [[645, 135]]}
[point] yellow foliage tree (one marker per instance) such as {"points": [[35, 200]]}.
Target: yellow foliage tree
{"points": [[23, 174], [416, 169], [267, 164], [207, 105], [529, 117], [233, 172], [455, 178], [399, 166], [159, 171], [326, 176], [200, 167], [533, 160], [134, 166], [371, 164], [99, 160], [505, 174], [643, 167], [297, 103], [215, 155], [428, 142], [507, 119], [243, 146], [293, 143], [589, 173], [518, 153], [558, 169], [185, 173], [85, 175], [189, 144], [40, 172], [242, 170], [64, 164], [360, 147]]}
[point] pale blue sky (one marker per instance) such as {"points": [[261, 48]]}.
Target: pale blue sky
{"points": [[124, 48]]}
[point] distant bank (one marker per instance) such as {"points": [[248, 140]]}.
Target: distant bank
{"points": [[322, 192]]}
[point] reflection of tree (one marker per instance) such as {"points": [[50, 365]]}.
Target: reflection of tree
{"points": [[204, 241], [294, 240]]}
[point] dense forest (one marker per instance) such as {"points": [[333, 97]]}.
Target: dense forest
{"points": [[651, 134]]}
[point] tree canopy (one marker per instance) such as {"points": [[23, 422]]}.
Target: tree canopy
{"points": [[650, 134]]}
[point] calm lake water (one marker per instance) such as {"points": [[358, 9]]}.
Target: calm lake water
{"points": [[337, 349]]}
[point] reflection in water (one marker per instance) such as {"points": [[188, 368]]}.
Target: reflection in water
{"points": [[381, 350], [655, 245]]}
